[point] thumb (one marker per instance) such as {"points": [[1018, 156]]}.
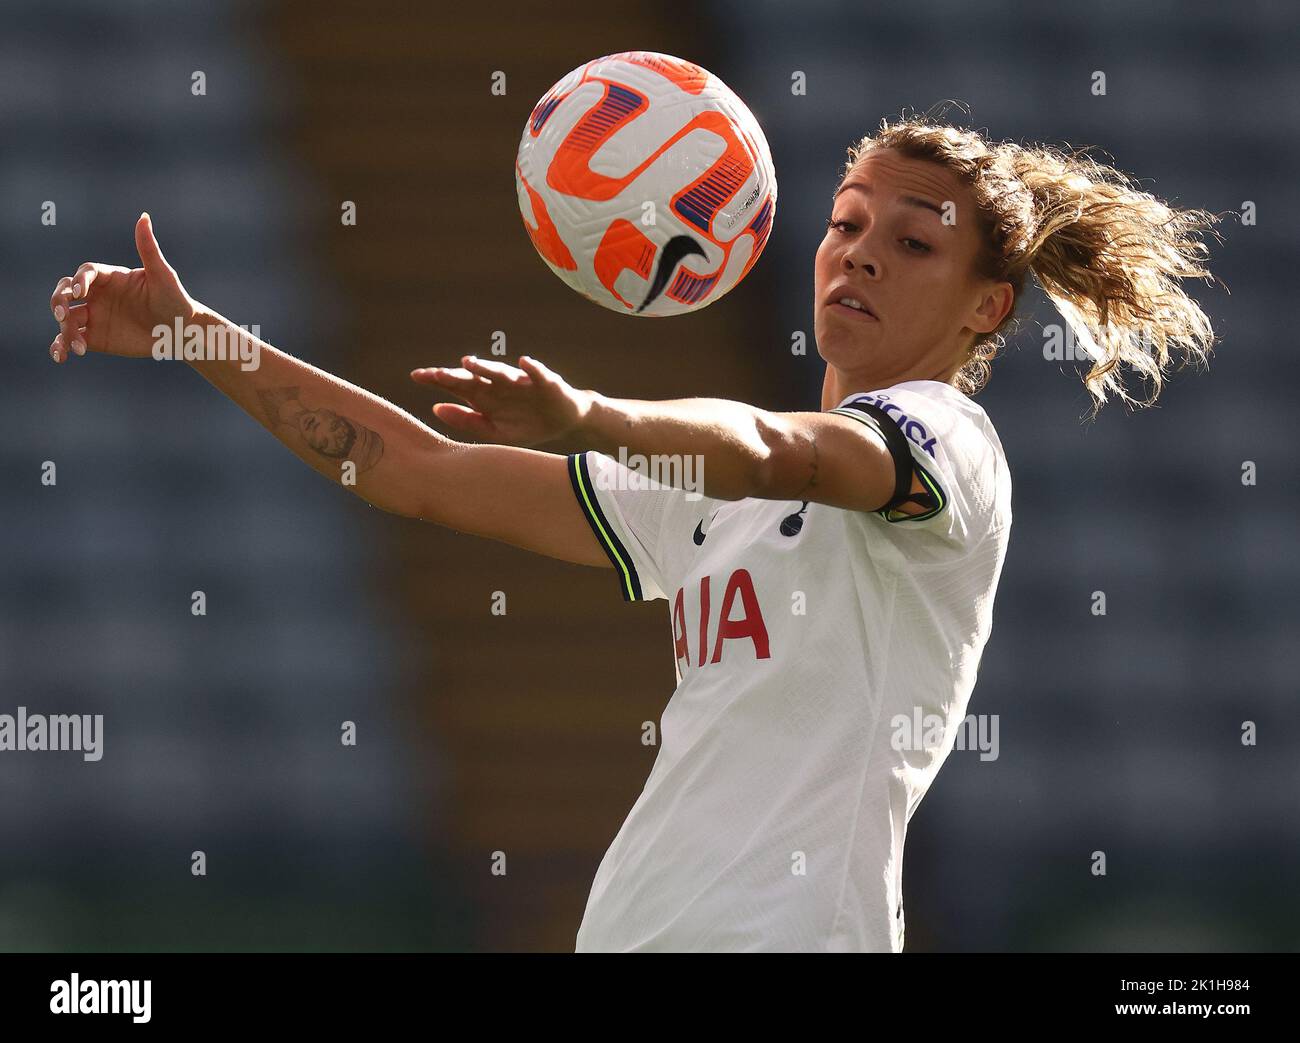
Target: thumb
{"points": [[151, 255]]}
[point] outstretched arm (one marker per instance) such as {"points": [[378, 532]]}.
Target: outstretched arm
{"points": [[745, 451], [353, 437]]}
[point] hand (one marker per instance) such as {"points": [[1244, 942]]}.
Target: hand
{"points": [[108, 308], [514, 406]]}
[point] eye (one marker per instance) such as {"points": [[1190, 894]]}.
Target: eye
{"points": [[916, 246], [839, 226]]}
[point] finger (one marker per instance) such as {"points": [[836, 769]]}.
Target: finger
{"points": [[61, 296], [457, 380], [494, 370], [61, 350], [151, 255], [87, 274], [433, 374], [470, 421], [81, 281], [73, 327], [537, 371], [465, 386]]}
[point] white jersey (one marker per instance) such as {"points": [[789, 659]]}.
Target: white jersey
{"points": [[809, 641]]}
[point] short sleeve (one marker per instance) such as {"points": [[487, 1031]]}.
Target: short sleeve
{"points": [[953, 456], [629, 513]]}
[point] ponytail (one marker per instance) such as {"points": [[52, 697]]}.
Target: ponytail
{"points": [[1109, 256]]}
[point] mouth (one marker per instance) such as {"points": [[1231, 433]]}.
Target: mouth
{"points": [[858, 311], [851, 313]]}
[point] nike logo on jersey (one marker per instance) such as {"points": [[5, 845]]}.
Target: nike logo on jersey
{"points": [[699, 534], [675, 250]]}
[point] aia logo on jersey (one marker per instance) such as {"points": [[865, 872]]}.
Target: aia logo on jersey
{"points": [[749, 627]]}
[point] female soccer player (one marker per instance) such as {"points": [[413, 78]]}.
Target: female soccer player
{"points": [[832, 590]]}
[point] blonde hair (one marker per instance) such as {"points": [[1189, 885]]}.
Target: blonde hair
{"points": [[1108, 255]]}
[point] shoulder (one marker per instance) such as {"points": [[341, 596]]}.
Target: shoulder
{"points": [[936, 417], [956, 448]]}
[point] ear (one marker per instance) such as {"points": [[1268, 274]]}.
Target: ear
{"points": [[995, 304]]}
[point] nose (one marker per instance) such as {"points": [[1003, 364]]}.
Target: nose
{"points": [[855, 256]]}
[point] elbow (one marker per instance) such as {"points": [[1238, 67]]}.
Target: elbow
{"points": [[787, 461], [428, 492]]}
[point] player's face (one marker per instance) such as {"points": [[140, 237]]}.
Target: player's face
{"points": [[904, 243]]}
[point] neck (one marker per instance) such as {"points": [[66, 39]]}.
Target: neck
{"points": [[838, 384]]}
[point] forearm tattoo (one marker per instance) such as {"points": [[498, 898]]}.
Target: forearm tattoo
{"points": [[323, 430], [812, 470]]}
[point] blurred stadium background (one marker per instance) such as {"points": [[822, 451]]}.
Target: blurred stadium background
{"points": [[521, 733]]}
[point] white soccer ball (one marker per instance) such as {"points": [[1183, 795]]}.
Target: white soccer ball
{"points": [[646, 184]]}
